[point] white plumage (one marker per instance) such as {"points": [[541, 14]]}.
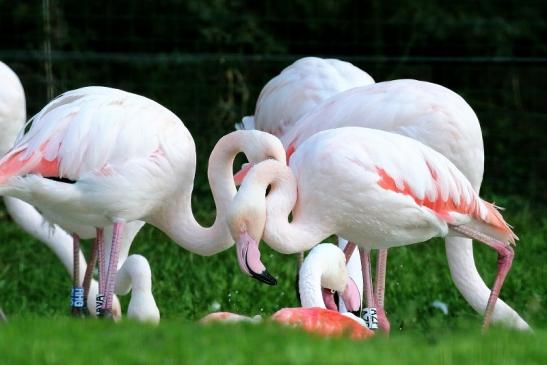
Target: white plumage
{"points": [[130, 159], [369, 191], [298, 89]]}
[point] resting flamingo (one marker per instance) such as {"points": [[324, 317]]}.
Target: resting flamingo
{"points": [[379, 190], [437, 117], [99, 157], [323, 270]]}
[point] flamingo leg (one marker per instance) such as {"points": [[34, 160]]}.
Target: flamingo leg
{"points": [[112, 268], [381, 265], [99, 301], [505, 260], [91, 266], [369, 312], [299, 261], [348, 250], [77, 297], [367, 277]]}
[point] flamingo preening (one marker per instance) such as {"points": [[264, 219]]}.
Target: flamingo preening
{"points": [[12, 119], [379, 190], [100, 157], [323, 270], [427, 112]]}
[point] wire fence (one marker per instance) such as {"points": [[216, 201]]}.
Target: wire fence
{"points": [[208, 64]]}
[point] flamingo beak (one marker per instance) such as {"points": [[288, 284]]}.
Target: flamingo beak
{"points": [[352, 297], [248, 257], [328, 299], [240, 175]]}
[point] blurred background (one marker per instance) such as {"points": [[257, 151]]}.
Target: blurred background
{"points": [[208, 60]]}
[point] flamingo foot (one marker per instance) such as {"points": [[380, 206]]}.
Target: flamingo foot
{"points": [[106, 314], [383, 322]]}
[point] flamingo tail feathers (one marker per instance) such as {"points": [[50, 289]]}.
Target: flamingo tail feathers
{"points": [[247, 123]]}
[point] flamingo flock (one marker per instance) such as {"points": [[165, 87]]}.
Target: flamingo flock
{"points": [[380, 165]]}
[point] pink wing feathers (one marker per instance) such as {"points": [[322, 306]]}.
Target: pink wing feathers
{"points": [[299, 88], [84, 131], [404, 166]]}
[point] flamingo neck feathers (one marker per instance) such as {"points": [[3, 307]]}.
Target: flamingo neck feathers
{"points": [[178, 219], [324, 267], [309, 286], [280, 234]]}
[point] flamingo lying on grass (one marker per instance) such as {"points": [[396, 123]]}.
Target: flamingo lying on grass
{"points": [[97, 157], [379, 190], [324, 269], [440, 119], [12, 119]]}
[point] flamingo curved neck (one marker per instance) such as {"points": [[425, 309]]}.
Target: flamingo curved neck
{"points": [[309, 286], [178, 220], [300, 234]]}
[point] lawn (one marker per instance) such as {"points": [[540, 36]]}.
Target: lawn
{"points": [[34, 293]]}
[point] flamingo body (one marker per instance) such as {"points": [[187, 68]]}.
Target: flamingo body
{"points": [[379, 189], [300, 88], [323, 322], [127, 158], [426, 112]]}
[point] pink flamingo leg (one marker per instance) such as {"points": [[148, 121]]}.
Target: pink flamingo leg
{"points": [[90, 267], [381, 265], [505, 260], [367, 277], [77, 297], [348, 250], [101, 259], [99, 302], [112, 267]]}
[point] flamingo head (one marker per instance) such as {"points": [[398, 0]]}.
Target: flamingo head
{"points": [[248, 256], [246, 219], [259, 146]]}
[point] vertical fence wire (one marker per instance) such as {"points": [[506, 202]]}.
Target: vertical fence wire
{"points": [[48, 64]]}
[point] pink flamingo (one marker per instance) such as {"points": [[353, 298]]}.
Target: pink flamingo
{"points": [[300, 88], [324, 270], [435, 116], [12, 119], [379, 190], [99, 157]]}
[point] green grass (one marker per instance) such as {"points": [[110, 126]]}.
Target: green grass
{"points": [[62, 341], [34, 293]]}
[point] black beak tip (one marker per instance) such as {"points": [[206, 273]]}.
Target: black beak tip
{"points": [[356, 313], [265, 277]]}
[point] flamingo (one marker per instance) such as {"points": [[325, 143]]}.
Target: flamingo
{"points": [[300, 88], [323, 270], [100, 157], [435, 116], [135, 276], [12, 119], [379, 190]]}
